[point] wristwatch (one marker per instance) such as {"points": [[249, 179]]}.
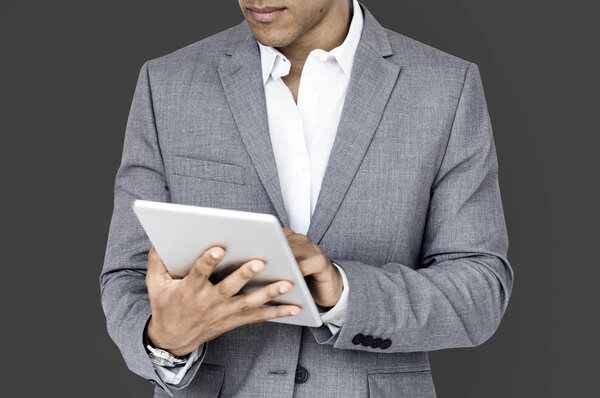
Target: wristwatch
{"points": [[161, 357], [164, 358]]}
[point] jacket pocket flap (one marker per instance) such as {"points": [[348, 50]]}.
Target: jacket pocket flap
{"points": [[208, 169], [409, 382]]}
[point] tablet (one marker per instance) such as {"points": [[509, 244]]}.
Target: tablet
{"points": [[181, 233]]}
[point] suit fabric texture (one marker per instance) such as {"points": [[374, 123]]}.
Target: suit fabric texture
{"points": [[409, 207]]}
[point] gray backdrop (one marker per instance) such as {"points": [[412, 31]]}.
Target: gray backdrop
{"points": [[68, 71]]}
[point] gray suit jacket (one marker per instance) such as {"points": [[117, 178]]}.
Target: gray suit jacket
{"points": [[410, 208]]}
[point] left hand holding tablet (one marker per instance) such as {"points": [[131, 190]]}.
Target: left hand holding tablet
{"points": [[322, 277]]}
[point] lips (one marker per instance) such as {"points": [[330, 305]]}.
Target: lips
{"points": [[265, 14]]}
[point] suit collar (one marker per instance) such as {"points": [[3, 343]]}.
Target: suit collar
{"points": [[372, 80]]}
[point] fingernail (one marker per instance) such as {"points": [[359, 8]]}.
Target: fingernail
{"points": [[294, 312], [216, 254], [283, 289], [255, 267]]}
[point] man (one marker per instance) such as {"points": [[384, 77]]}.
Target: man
{"points": [[376, 154]]}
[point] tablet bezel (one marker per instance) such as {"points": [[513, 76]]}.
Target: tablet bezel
{"points": [[181, 233]]}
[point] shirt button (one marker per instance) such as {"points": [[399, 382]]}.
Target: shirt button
{"points": [[322, 57], [335, 320]]}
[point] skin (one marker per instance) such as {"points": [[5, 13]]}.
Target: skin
{"points": [[304, 26], [191, 311]]}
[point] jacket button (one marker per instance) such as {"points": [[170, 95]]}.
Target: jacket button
{"points": [[358, 339], [301, 375], [385, 344], [367, 340], [376, 343]]}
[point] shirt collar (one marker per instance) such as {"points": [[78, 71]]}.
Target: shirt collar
{"points": [[273, 61]]}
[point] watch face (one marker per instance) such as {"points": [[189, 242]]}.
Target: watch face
{"points": [[162, 353], [161, 362]]}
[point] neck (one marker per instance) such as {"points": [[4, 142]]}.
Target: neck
{"points": [[329, 33]]}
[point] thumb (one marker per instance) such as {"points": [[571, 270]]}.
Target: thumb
{"points": [[156, 267]]}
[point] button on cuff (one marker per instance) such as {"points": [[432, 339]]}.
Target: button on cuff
{"points": [[358, 339], [376, 343], [367, 340], [385, 344]]}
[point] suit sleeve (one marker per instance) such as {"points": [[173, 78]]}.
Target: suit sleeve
{"points": [[460, 291], [122, 281], [180, 376]]}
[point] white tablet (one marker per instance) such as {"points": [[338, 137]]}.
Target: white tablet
{"points": [[181, 233]]}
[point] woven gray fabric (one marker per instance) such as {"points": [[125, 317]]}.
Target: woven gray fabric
{"points": [[410, 208]]}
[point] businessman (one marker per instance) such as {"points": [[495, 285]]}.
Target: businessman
{"points": [[376, 154]]}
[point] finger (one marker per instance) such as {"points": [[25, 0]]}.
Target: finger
{"points": [[314, 265], [261, 296], [302, 250], [204, 266], [234, 282], [261, 314], [300, 238], [287, 232], [156, 267]]}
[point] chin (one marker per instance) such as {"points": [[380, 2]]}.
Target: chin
{"points": [[272, 37]]}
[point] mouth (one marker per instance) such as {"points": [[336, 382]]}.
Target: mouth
{"points": [[265, 14]]}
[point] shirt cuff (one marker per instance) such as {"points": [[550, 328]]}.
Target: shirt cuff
{"points": [[334, 318], [175, 374]]}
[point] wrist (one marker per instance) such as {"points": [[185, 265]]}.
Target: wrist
{"points": [[337, 286], [154, 338], [339, 283]]}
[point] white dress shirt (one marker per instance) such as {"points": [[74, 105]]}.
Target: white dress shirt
{"points": [[302, 135]]}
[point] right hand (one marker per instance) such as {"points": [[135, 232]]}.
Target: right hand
{"points": [[191, 311]]}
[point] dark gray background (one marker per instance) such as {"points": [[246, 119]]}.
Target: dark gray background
{"points": [[68, 71]]}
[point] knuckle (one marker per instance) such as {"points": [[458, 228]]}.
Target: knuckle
{"points": [[261, 316], [247, 272], [273, 292], [201, 263], [199, 272], [244, 305], [224, 289], [149, 278], [303, 237], [283, 311]]}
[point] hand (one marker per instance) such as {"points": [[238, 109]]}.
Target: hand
{"points": [[323, 278], [190, 311]]}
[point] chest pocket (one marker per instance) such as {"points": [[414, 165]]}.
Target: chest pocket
{"points": [[209, 169]]}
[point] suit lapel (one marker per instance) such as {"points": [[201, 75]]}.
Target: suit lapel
{"points": [[371, 83], [241, 77], [372, 80]]}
